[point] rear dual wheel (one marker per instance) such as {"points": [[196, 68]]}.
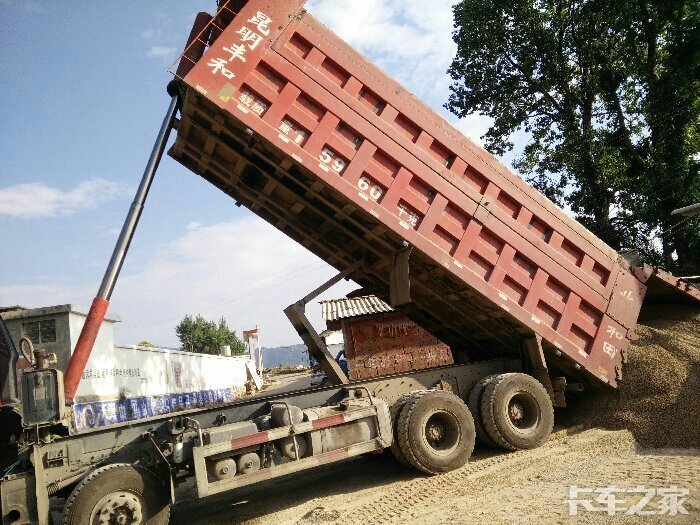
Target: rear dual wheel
{"points": [[435, 431], [395, 413], [512, 411], [474, 404]]}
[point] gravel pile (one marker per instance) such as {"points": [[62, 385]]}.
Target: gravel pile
{"points": [[659, 400]]}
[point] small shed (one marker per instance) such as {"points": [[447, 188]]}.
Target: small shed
{"points": [[56, 329]]}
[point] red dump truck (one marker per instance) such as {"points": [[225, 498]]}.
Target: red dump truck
{"points": [[279, 113]]}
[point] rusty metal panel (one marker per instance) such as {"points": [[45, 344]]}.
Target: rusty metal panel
{"points": [[385, 344], [341, 158]]}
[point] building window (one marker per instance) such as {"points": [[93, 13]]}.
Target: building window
{"points": [[40, 332]]}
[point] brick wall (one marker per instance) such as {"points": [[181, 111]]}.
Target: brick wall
{"points": [[386, 344]]}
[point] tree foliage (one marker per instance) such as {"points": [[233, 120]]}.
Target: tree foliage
{"points": [[609, 94], [207, 337]]}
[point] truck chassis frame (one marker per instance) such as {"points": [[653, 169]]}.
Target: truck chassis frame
{"points": [[51, 464]]}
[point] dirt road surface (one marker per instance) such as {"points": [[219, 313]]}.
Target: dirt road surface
{"points": [[288, 383], [528, 487]]}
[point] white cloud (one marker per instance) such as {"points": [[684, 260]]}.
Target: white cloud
{"points": [[161, 52], [28, 6], [36, 199], [245, 270], [37, 295], [152, 33], [411, 42], [194, 225], [160, 38]]}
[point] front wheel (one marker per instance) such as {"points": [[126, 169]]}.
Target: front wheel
{"points": [[118, 494]]}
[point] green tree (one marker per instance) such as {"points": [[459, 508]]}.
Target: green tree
{"points": [[609, 94], [146, 344], [207, 337]]}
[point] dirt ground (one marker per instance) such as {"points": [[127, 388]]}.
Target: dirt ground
{"points": [[648, 435]]}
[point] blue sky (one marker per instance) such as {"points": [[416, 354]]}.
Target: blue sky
{"points": [[83, 97]]}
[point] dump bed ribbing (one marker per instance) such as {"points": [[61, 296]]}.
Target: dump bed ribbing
{"points": [[301, 129]]}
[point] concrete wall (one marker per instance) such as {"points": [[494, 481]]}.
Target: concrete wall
{"points": [[69, 320], [135, 383]]}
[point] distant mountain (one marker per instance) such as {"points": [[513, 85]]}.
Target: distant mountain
{"points": [[285, 355]]}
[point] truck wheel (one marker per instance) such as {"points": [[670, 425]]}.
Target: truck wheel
{"points": [[474, 405], [395, 413], [436, 431], [118, 494], [517, 412]]}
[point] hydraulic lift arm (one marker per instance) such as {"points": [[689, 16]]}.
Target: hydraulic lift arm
{"points": [[97, 312], [196, 45]]}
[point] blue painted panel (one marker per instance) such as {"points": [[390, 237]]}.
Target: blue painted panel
{"points": [[101, 413]]}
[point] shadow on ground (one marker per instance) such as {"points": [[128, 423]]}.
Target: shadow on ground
{"points": [[259, 500]]}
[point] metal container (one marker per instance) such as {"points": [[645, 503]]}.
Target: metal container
{"points": [[294, 124]]}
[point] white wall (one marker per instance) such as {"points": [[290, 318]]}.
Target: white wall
{"points": [[134, 371], [132, 383]]}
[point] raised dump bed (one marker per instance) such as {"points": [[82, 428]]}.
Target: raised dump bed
{"points": [[295, 125]]}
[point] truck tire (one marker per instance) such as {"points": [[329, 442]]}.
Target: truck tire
{"points": [[395, 413], [474, 405], [118, 493], [436, 431], [517, 412]]}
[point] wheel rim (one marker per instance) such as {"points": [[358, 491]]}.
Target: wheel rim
{"points": [[118, 508], [523, 411], [442, 432]]}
